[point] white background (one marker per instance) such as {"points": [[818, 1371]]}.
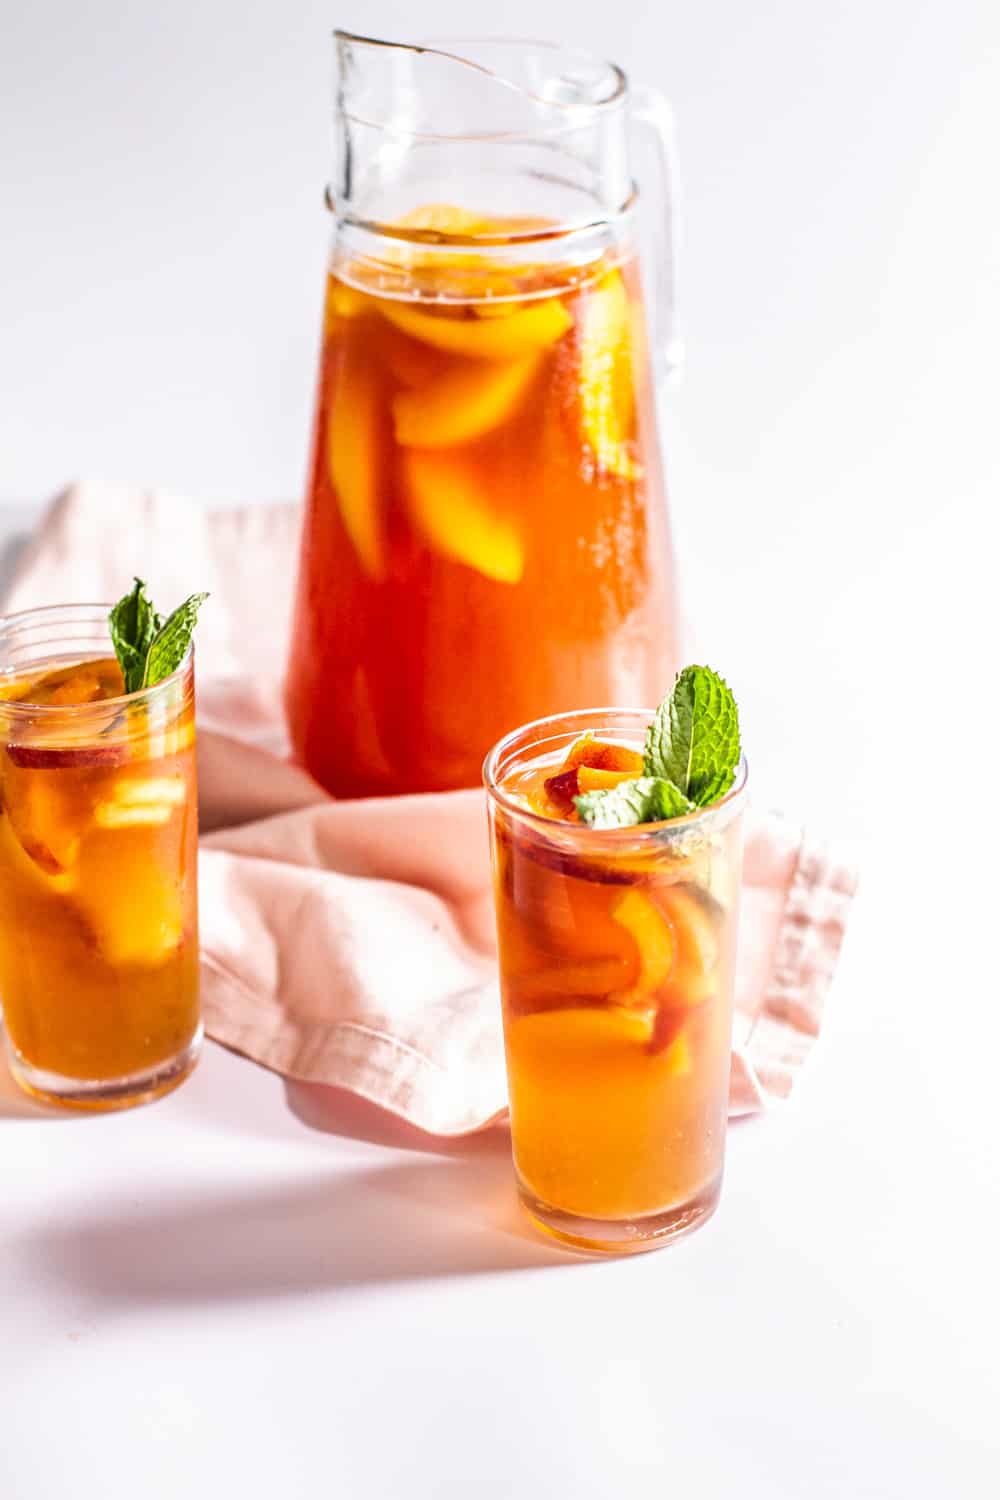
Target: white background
{"points": [[210, 1297]]}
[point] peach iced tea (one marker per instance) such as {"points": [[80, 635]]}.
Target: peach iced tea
{"points": [[616, 949], [486, 533], [98, 888]]}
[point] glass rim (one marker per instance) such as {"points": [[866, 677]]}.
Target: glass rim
{"points": [[79, 613], [598, 837]]}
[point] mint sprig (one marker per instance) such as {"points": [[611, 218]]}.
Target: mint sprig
{"points": [[647, 799], [133, 623], [147, 647], [691, 754], [694, 739]]}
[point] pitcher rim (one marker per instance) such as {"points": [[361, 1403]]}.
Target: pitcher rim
{"points": [[440, 47]]}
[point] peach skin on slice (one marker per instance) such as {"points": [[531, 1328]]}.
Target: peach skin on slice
{"points": [[562, 788], [352, 443], [533, 328], [607, 397], [447, 504], [462, 404], [654, 940]]}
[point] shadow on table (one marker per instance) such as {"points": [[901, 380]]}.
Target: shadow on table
{"points": [[360, 1227]]}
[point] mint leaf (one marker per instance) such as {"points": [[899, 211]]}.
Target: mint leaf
{"points": [[648, 799], [169, 646], [133, 623], [694, 741]]}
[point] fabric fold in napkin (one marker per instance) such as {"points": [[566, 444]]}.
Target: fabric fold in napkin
{"points": [[351, 943]]}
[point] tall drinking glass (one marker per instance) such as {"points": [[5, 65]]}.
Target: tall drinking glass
{"points": [[98, 866], [616, 951]]}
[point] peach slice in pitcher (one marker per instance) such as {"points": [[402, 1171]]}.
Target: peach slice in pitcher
{"points": [[342, 302], [606, 393], [462, 404], [352, 447], [446, 219], [446, 502], [532, 328]]}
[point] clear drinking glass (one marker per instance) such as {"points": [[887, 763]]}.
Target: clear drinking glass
{"points": [[486, 536], [616, 950], [98, 866]]}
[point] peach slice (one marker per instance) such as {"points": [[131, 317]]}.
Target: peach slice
{"points": [[654, 939], [141, 803], [131, 901], [44, 816], [462, 404], [84, 682], [352, 446], [447, 504], [601, 756], [592, 779], [33, 861], [607, 397], [566, 984], [531, 329], [694, 930], [342, 302], [677, 1059], [444, 219]]}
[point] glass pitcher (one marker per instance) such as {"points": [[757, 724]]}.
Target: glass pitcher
{"points": [[486, 538]]}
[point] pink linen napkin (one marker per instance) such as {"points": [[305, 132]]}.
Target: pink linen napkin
{"points": [[352, 943]]}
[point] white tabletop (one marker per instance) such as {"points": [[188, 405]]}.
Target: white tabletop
{"points": [[237, 1293]]}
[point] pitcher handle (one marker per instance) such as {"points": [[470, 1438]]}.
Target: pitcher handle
{"points": [[652, 113]]}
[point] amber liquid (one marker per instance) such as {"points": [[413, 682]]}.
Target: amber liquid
{"points": [[485, 538], [616, 977], [98, 903]]}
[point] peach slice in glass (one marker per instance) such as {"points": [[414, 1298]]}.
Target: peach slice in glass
{"points": [[130, 897], [591, 779], [141, 802], [462, 404], [446, 503], [352, 446], [655, 943], [601, 756], [694, 930], [565, 985], [525, 332], [607, 396], [44, 816]]}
